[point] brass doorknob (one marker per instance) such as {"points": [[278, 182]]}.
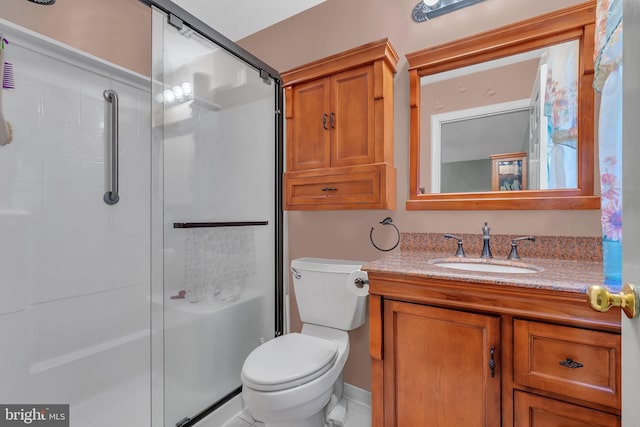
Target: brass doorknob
{"points": [[602, 300]]}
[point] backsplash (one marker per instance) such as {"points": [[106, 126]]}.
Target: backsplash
{"points": [[552, 247]]}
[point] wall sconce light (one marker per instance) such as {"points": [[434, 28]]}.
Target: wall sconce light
{"points": [[429, 9]]}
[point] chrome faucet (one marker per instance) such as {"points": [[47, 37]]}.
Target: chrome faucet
{"points": [[459, 251], [513, 255], [486, 248]]}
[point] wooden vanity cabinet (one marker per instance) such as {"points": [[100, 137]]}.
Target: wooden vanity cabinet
{"points": [[339, 113], [448, 353]]}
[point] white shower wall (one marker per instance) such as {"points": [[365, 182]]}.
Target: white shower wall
{"points": [[75, 283]]}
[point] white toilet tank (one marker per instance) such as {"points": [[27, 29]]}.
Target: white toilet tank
{"points": [[326, 294]]}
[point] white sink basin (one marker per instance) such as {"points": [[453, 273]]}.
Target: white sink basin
{"points": [[486, 266]]}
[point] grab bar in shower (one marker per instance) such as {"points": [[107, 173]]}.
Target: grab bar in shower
{"points": [[218, 224], [111, 197]]}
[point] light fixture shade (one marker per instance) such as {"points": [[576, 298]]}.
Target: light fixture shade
{"points": [[429, 9]]}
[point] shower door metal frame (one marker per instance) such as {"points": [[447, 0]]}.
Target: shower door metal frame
{"points": [[179, 17]]}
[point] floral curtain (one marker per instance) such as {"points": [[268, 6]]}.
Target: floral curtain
{"points": [[608, 82]]}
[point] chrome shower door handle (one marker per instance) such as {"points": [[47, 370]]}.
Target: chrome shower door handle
{"points": [[111, 197]]}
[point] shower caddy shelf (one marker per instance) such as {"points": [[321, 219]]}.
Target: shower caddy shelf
{"points": [[218, 224]]}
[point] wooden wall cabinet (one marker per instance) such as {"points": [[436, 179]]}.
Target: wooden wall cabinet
{"points": [[447, 353], [339, 113]]}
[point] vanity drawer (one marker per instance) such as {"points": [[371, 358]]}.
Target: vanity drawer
{"points": [[355, 187], [536, 411], [576, 363]]}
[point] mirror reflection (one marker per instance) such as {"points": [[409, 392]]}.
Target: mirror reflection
{"points": [[505, 125]]}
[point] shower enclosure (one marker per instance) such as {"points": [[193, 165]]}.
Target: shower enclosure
{"points": [[215, 118], [138, 310]]}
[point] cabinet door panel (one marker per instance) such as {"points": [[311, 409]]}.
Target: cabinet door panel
{"points": [[352, 118], [439, 361], [535, 411], [311, 132]]}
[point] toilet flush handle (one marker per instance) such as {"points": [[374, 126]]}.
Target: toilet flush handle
{"points": [[296, 273]]}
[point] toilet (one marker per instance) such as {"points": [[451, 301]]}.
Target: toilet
{"points": [[295, 380]]}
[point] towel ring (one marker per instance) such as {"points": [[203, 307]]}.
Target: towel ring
{"points": [[386, 221]]}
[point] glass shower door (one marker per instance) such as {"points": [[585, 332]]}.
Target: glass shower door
{"points": [[215, 134]]}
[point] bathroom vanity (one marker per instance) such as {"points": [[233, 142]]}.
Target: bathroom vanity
{"points": [[479, 348]]}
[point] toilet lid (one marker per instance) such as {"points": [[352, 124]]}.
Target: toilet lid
{"points": [[288, 361]]}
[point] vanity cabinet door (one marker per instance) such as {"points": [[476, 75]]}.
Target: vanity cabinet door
{"points": [[441, 367]]}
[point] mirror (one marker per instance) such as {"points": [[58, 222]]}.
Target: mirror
{"points": [[523, 103], [505, 119]]}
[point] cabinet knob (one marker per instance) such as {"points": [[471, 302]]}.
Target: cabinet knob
{"points": [[600, 299]]}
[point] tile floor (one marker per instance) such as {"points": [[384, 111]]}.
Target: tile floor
{"points": [[359, 416]]}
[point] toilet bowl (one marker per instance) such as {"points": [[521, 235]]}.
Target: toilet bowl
{"points": [[295, 380]]}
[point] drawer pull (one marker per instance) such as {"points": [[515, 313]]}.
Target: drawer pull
{"points": [[492, 362], [324, 121], [329, 189], [570, 363]]}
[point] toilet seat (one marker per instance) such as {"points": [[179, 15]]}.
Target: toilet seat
{"points": [[288, 361]]}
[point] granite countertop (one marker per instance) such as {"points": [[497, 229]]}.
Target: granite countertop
{"points": [[557, 274]]}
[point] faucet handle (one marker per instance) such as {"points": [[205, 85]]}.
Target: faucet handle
{"points": [[513, 255], [459, 251]]}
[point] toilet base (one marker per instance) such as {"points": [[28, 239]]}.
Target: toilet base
{"points": [[316, 420], [336, 409], [337, 416]]}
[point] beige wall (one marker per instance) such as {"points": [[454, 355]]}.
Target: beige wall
{"points": [[117, 31], [336, 25]]}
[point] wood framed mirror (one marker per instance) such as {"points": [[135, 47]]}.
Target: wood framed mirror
{"points": [[463, 93]]}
